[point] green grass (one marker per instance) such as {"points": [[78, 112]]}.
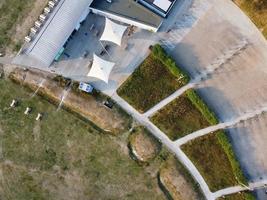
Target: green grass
{"points": [[257, 11], [202, 107], [11, 11], [179, 118], [155, 79], [84, 157]]}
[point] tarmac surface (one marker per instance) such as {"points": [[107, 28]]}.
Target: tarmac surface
{"points": [[239, 86]]}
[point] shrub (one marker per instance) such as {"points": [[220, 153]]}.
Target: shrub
{"points": [[160, 53]]}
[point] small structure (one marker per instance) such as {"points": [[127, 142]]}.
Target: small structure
{"points": [[42, 17], [86, 87], [27, 111], [27, 38], [34, 30], [101, 69], [161, 7], [38, 24], [47, 10], [51, 4], [14, 103], [39, 117], [113, 32]]}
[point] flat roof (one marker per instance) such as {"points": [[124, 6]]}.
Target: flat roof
{"points": [[56, 30], [129, 9], [161, 6]]}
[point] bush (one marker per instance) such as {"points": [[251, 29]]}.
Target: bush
{"points": [[160, 54], [202, 107]]}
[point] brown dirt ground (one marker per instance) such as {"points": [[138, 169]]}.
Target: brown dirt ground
{"points": [[176, 183], [85, 105], [22, 28], [144, 146]]}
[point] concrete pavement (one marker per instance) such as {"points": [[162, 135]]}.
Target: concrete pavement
{"points": [[236, 189], [167, 142]]}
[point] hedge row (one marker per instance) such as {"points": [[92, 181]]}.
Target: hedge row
{"points": [[221, 136], [160, 54]]}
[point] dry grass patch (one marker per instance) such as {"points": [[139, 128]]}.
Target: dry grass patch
{"points": [[177, 181], [211, 160], [143, 145], [179, 118], [12, 13], [155, 79]]}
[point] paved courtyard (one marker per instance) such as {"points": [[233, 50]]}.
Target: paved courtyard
{"points": [[239, 86]]}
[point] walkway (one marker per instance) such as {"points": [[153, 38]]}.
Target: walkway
{"points": [[220, 126], [6, 60], [143, 120], [233, 190]]}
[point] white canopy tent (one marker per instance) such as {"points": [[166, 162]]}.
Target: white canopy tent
{"points": [[113, 32], [101, 69]]}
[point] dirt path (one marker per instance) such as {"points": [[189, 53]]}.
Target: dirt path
{"points": [[110, 120]]}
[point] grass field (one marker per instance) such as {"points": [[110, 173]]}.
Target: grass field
{"points": [[63, 157], [11, 12], [155, 79], [179, 118], [257, 11]]}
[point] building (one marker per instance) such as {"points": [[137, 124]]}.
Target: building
{"points": [[66, 16], [129, 12], [161, 7]]}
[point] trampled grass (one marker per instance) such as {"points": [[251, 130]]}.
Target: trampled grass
{"points": [[11, 11], [63, 156]]}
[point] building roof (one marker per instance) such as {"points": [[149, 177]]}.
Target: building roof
{"points": [[101, 69], [129, 9], [57, 29], [113, 32], [163, 4]]}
